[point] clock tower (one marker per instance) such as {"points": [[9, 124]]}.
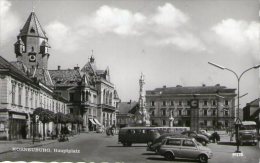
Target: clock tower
{"points": [[32, 49], [32, 46]]}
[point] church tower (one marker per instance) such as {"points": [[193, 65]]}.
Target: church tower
{"points": [[32, 45], [32, 48]]}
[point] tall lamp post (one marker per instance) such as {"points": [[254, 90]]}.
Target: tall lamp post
{"points": [[238, 121]]}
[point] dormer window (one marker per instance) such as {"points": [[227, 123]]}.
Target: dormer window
{"points": [[32, 30]]}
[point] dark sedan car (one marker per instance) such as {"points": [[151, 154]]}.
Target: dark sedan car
{"points": [[199, 137]]}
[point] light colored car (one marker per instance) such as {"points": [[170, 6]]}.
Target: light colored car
{"points": [[204, 132], [184, 148]]}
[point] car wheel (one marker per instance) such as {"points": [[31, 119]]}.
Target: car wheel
{"points": [[169, 156], [203, 158]]}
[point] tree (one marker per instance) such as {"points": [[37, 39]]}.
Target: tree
{"points": [[45, 116], [78, 120]]}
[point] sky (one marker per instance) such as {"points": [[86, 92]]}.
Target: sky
{"points": [[170, 42]]}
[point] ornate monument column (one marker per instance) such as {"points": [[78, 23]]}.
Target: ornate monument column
{"points": [[142, 117]]}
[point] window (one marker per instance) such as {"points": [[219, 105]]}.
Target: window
{"points": [[152, 103], [188, 143], [176, 142], [188, 103], [20, 96], [226, 102], [26, 97], [36, 100], [180, 103], [71, 96], [163, 112], [164, 103], [214, 112], [226, 123], [163, 122], [214, 122], [31, 99], [226, 112], [205, 112], [179, 112], [205, 103], [214, 102], [172, 103], [13, 94], [205, 122]]}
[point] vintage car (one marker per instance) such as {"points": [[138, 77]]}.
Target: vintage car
{"points": [[184, 148]]}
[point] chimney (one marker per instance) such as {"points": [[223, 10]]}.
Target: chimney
{"points": [[58, 67]]}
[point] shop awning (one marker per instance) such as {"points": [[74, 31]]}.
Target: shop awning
{"points": [[97, 122], [92, 121]]}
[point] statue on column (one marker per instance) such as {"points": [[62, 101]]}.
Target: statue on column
{"points": [[142, 117]]}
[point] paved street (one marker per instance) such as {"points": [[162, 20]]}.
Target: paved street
{"points": [[101, 148]]}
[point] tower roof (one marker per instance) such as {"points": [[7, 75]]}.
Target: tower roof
{"points": [[32, 27]]}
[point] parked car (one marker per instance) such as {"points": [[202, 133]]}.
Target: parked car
{"points": [[204, 132], [155, 145], [184, 148], [199, 137]]}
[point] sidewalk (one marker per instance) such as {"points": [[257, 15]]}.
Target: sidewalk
{"points": [[7, 146]]}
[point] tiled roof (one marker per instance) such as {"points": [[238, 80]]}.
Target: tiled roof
{"points": [[32, 27], [68, 77], [191, 90], [125, 107], [43, 76], [4, 64]]}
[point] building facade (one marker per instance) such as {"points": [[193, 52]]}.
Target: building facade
{"points": [[196, 107]]}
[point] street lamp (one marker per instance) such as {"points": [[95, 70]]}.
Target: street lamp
{"points": [[238, 121]]}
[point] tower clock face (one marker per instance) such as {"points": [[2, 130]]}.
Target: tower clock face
{"points": [[32, 57]]}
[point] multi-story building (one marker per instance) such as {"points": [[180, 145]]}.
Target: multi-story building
{"points": [[214, 106]]}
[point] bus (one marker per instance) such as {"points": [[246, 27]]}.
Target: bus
{"points": [[247, 133], [129, 135]]}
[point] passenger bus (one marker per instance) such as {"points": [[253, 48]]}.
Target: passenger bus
{"points": [[247, 133], [129, 135]]}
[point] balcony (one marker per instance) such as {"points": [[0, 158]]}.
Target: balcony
{"points": [[106, 107]]}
